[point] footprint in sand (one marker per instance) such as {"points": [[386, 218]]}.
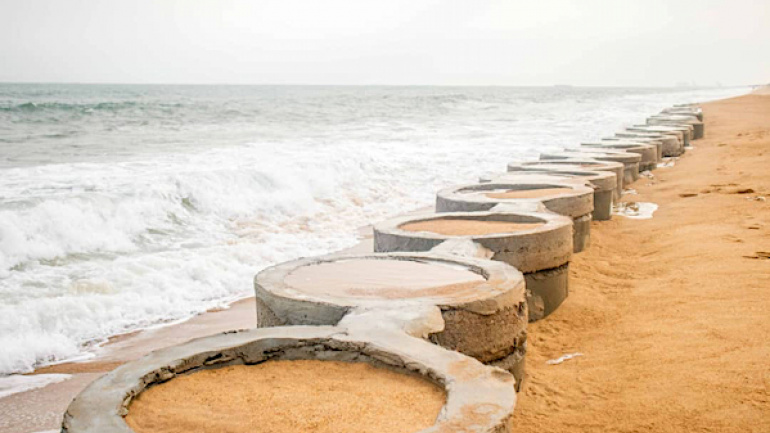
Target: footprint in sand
{"points": [[759, 255]]}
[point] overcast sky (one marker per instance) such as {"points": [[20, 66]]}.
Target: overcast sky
{"points": [[464, 42]]}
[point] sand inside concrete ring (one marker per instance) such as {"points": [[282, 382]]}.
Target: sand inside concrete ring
{"points": [[467, 227], [529, 193], [289, 396], [382, 278]]}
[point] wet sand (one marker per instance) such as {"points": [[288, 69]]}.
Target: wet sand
{"points": [[529, 193], [383, 279], [289, 396], [672, 314], [467, 227]]}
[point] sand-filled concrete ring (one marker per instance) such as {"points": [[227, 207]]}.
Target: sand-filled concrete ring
{"points": [[685, 119], [484, 318], [479, 398], [697, 112], [670, 144], [574, 201], [679, 133], [683, 132], [578, 163], [603, 183], [648, 152], [630, 161], [542, 253], [643, 140]]}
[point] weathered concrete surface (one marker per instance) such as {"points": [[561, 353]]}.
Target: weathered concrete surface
{"points": [[581, 233], [684, 132], [572, 164], [542, 254], [472, 198], [648, 152], [487, 322], [697, 112], [629, 160], [644, 140], [577, 204], [670, 144], [679, 119], [479, 398], [543, 247], [603, 183], [547, 289]]}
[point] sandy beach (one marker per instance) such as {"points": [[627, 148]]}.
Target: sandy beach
{"points": [[670, 314]]}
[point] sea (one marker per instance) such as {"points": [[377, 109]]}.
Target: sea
{"points": [[124, 207]]}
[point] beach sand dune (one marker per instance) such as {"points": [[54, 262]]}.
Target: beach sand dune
{"points": [[671, 314]]}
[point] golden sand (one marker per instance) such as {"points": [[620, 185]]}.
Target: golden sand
{"points": [[529, 193], [467, 227], [289, 396], [672, 313]]}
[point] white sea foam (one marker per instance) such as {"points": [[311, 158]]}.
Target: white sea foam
{"points": [[635, 210], [109, 232], [16, 383]]}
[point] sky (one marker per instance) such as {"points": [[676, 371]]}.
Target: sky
{"points": [[394, 42]]}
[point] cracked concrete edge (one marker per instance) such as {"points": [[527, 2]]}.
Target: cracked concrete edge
{"points": [[543, 247], [576, 203], [479, 398]]}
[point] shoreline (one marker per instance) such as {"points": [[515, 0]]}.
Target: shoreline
{"points": [[242, 313]]}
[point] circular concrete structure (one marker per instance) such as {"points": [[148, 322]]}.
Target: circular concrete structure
{"points": [[479, 398], [685, 110], [563, 198], [684, 119], [648, 152], [578, 163], [630, 161], [540, 247], [670, 144], [683, 132], [642, 140], [482, 302], [603, 183], [680, 133]]}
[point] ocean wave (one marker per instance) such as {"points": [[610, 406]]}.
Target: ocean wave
{"points": [[32, 107]]}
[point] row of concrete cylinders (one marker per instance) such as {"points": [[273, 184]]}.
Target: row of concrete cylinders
{"points": [[451, 338]]}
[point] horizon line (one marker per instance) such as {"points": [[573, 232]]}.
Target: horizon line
{"points": [[107, 83]]}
